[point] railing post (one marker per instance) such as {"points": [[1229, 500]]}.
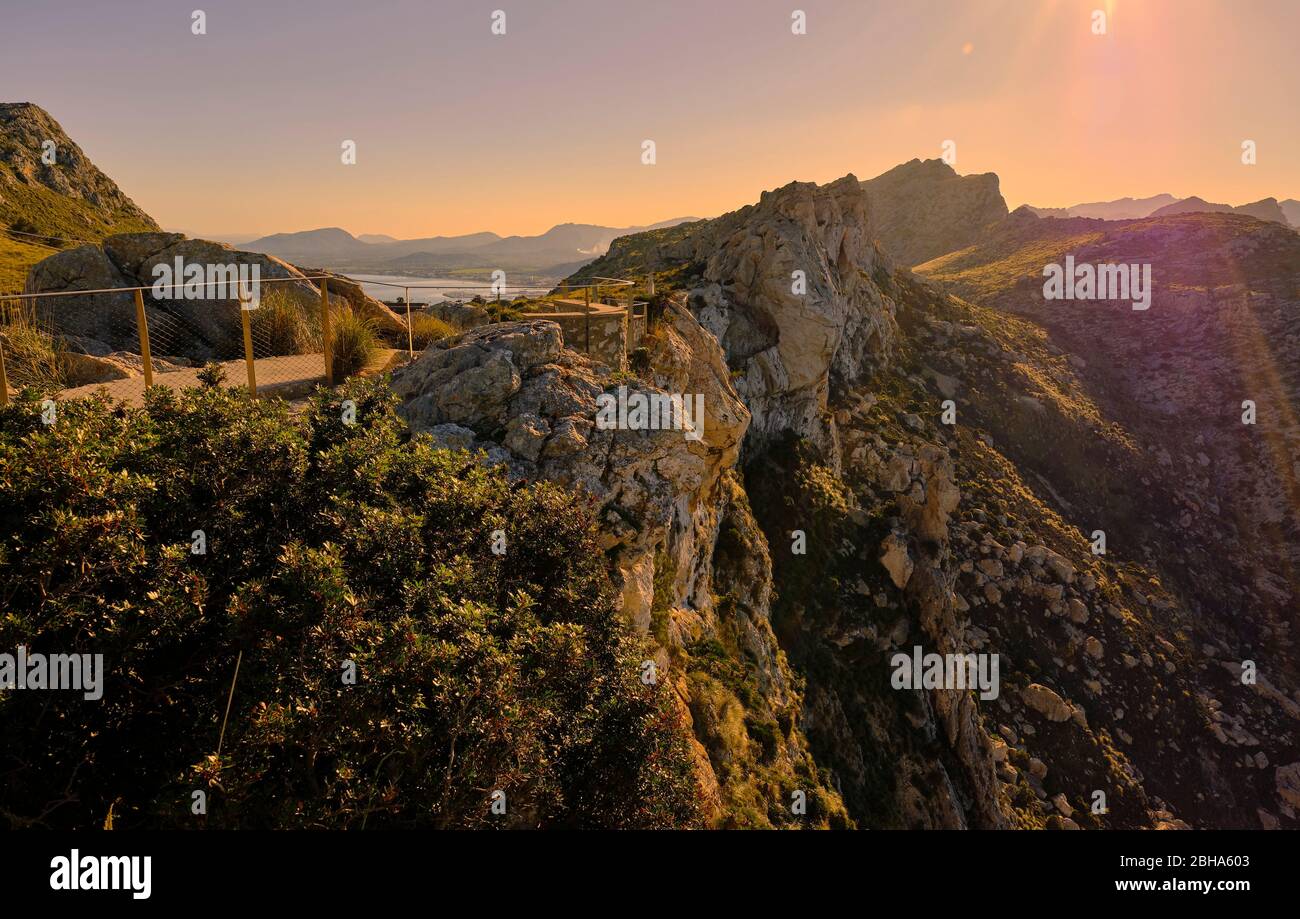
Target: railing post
{"points": [[4, 377], [142, 324], [410, 335], [326, 344], [586, 320], [248, 348]]}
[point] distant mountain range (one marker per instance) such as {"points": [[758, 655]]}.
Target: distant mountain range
{"points": [[1264, 209], [1119, 209], [1166, 205], [560, 249]]}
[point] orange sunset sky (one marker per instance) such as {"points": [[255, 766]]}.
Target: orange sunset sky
{"points": [[458, 130]]}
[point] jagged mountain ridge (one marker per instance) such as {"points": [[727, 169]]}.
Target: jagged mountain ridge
{"points": [[1264, 209], [1012, 551], [1118, 209]]}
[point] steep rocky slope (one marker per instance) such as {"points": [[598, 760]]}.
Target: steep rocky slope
{"points": [[1121, 673], [69, 198], [922, 209], [682, 544]]}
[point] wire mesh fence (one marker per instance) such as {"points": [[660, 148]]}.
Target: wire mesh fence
{"points": [[599, 317], [277, 333], [265, 334]]}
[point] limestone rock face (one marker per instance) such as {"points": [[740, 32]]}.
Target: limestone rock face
{"points": [[130, 251], [893, 555], [921, 210], [103, 317], [787, 289], [515, 386], [1046, 702], [804, 305], [678, 531]]}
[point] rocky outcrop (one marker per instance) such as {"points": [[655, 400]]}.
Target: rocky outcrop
{"points": [[678, 530], [921, 210], [786, 287], [803, 304], [459, 315], [515, 385]]}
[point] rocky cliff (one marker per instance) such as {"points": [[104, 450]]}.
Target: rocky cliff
{"points": [[1124, 700], [680, 540], [779, 654], [923, 209]]}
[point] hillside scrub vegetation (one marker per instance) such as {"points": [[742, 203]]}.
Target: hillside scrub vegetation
{"points": [[329, 547]]}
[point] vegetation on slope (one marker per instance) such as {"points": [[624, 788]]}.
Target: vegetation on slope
{"points": [[327, 546], [16, 259]]}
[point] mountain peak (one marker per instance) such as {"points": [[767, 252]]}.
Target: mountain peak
{"points": [[35, 194], [922, 208]]}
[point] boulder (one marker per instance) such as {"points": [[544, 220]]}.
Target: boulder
{"points": [[459, 315], [1046, 702], [894, 556], [108, 318], [1287, 780]]}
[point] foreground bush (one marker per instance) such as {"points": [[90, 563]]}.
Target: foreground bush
{"points": [[353, 341], [283, 325], [426, 329], [33, 355], [328, 546]]}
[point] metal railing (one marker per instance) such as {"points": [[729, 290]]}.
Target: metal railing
{"points": [[292, 343], [591, 304], [171, 334]]}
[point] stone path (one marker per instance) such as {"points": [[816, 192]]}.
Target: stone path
{"points": [[289, 377]]}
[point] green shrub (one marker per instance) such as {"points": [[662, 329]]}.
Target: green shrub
{"points": [[354, 342], [282, 325], [499, 311], [328, 545], [426, 329], [33, 356]]}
